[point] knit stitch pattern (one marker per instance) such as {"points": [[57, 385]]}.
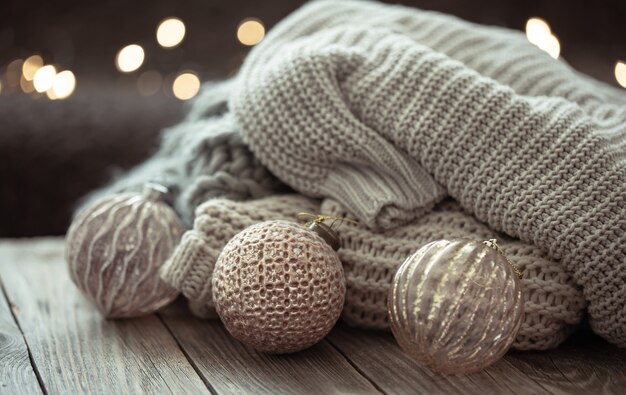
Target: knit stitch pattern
{"points": [[201, 158], [553, 303], [387, 109], [190, 269]]}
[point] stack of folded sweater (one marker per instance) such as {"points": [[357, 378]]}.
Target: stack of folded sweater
{"points": [[423, 127], [552, 302]]}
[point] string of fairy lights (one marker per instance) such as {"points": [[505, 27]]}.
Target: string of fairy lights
{"points": [[35, 77]]}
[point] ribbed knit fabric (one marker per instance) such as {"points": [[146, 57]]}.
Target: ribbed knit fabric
{"points": [[201, 158], [386, 109], [553, 303], [190, 269]]}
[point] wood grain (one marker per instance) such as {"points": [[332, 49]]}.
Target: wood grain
{"points": [[231, 367], [74, 349], [378, 356], [16, 373], [584, 364]]}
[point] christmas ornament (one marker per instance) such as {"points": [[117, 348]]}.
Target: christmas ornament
{"points": [[115, 248], [278, 286], [456, 306]]}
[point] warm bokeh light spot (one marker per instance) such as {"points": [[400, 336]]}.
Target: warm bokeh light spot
{"points": [[13, 75], [129, 58], [620, 73], [186, 86], [170, 32], [537, 29], [250, 31], [26, 85], [552, 46], [538, 32], [149, 82], [51, 95], [64, 84], [44, 78], [31, 65]]}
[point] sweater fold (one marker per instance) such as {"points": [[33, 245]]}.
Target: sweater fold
{"points": [[553, 304], [411, 105]]}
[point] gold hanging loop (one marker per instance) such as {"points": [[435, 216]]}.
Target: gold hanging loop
{"points": [[320, 218]]}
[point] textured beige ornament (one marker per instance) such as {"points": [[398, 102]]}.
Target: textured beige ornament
{"points": [[278, 287], [456, 306], [115, 248]]}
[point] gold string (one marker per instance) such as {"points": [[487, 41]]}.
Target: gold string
{"points": [[320, 218], [492, 243]]}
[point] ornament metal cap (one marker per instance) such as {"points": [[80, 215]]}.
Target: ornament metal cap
{"points": [[327, 233], [154, 192]]}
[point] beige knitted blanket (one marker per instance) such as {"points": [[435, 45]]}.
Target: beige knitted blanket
{"points": [[553, 304], [387, 110]]}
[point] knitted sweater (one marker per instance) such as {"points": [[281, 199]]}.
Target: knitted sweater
{"points": [[201, 158], [204, 157], [553, 304], [387, 109]]}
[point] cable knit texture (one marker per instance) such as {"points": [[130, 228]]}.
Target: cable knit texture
{"points": [[387, 109], [201, 158], [553, 303]]}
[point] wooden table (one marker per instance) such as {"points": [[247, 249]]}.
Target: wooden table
{"points": [[52, 341]]}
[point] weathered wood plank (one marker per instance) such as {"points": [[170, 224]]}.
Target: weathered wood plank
{"points": [[16, 373], [378, 356], [74, 349], [231, 367], [585, 364]]}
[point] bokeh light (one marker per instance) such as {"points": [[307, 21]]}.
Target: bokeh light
{"points": [[129, 58], [620, 73], [31, 65], [170, 32], [51, 95], [44, 78], [13, 75], [537, 29], [64, 84], [0, 87], [186, 86], [250, 31], [552, 46], [26, 85], [149, 82], [538, 32]]}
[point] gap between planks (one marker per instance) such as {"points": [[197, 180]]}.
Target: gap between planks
{"points": [[200, 357], [232, 367], [75, 350], [17, 368]]}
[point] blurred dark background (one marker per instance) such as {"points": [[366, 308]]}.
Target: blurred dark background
{"points": [[52, 152]]}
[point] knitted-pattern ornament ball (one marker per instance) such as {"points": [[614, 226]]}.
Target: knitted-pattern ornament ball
{"points": [[115, 248], [456, 306], [278, 287]]}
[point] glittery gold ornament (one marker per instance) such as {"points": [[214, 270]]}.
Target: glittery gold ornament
{"points": [[114, 250], [456, 306], [278, 287]]}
